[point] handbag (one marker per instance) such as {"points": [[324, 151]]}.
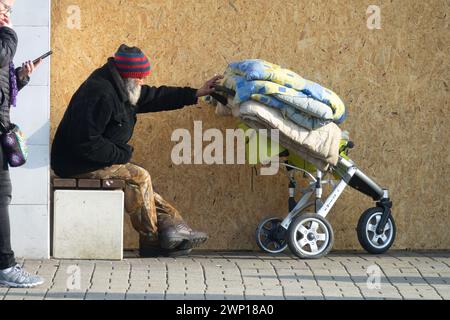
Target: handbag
{"points": [[14, 145]]}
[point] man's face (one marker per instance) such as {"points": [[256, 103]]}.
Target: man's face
{"points": [[134, 87], [139, 82]]}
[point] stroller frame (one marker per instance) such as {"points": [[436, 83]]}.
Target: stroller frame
{"points": [[377, 220], [353, 177]]}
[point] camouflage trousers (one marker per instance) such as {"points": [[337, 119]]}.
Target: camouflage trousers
{"points": [[148, 211]]}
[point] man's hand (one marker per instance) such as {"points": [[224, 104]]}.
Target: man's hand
{"points": [[208, 87], [27, 69]]}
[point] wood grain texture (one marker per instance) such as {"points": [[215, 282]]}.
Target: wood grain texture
{"points": [[394, 82]]}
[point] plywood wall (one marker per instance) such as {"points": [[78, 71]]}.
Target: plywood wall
{"points": [[394, 81]]}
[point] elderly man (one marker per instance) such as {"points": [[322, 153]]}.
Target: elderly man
{"points": [[92, 142]]}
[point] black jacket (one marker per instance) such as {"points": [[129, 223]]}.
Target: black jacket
{"points": [[99, 122], [8, 46]]}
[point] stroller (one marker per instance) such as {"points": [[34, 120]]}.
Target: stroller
{"points": [[306, 230]]}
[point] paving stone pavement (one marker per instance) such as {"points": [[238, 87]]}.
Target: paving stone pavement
{"points": [[243, 276]]}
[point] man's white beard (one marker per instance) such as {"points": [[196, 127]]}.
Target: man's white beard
{"points": [[133, 90]]}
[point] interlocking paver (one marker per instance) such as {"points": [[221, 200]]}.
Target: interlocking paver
{"points": [[239, 276]]}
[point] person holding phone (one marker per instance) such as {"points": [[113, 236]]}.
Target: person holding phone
{"points": [[12, 80]]}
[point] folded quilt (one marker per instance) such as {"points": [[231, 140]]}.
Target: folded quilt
{"points": [[307, 105], [322, 143], [304, 119], [245, 89], [260, 70]]}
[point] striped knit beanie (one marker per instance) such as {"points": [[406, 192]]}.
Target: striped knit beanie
{"points": [[131, 62]]}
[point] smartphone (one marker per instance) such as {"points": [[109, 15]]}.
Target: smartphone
{"points": [[45, 55]]}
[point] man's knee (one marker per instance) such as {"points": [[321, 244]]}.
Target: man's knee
{"points": [[139, 174]]}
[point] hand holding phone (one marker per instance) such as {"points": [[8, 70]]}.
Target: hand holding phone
{"points": [[45, 55], [29, 66]]}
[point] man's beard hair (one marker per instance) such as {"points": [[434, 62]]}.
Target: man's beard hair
{"points": [[133, 90]]}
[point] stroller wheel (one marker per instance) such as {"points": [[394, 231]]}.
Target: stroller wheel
{"points": [[310, 236], [368, 237], [271, 236]]}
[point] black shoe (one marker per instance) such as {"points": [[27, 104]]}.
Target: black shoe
{"points": [[159, 252], [181, 236], [149, 247]]}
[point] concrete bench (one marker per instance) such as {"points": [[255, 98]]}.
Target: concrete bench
{"points": [[88, 218]]}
